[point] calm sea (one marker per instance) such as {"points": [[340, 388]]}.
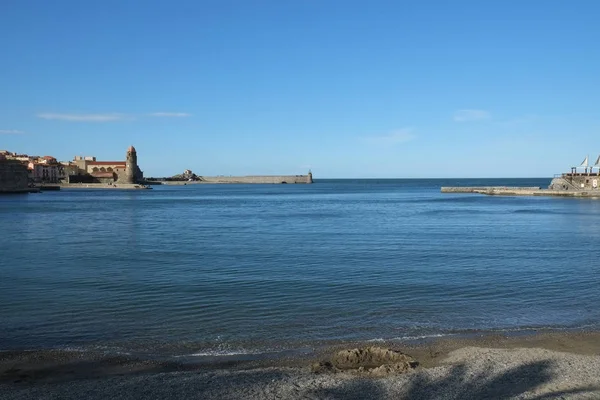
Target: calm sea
{"points": [[245, 269]]}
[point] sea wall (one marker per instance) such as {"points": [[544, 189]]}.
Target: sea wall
{"points": [[13, 177], [485, 189], [273, 179], [265, 179], [565, 185], [522, 191]]}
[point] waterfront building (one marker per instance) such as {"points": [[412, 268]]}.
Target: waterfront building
{"points": [[45, 170], [88, 169], [588, 179]]}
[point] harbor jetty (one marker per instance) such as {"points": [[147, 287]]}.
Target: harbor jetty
{"points": [[188, 177], [581, 181], [520, 191]]}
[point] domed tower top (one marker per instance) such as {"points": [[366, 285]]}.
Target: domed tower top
{"points": [[130, 166]]}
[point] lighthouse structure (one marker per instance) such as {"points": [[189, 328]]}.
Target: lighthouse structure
{"points": [[130, 166]]}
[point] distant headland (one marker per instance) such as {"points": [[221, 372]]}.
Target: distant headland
{"points": [[22, 173]]}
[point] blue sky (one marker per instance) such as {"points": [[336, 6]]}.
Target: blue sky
{"points": [[389, 89]]}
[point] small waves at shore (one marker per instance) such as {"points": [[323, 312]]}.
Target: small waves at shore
{"points": [[220, 350]]}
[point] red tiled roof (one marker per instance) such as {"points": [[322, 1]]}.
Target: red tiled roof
{"points": [[107, 163]]}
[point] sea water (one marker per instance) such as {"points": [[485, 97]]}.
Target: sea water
{"points": [[214, 270]]}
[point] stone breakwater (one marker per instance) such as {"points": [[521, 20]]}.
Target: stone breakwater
{"points": [[265, 179], [520, 191]]}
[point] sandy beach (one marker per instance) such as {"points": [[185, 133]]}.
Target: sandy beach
{"points": [[543, 366]]}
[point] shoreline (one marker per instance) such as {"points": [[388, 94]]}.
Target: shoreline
{"points": [[519, 191], [117, 186], [551, 364]]}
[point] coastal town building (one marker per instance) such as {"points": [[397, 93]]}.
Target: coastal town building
{"points": [[22, 172], [18, 157], [90, 170], [39, 169], [45, 170]]}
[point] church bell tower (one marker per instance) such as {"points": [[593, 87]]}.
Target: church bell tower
{"points": [[131, 165]]}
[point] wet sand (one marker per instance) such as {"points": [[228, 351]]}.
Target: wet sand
{"points": [[542, 366]]}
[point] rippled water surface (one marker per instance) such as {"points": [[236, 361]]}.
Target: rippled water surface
{"points": [[220, 269]]}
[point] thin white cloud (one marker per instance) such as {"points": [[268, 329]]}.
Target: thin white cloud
{"points": [[84, 117], [10, 132], [169, 114], [471, 115], [394, 137]]}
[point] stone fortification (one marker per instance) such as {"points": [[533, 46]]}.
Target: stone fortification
{"points": [[573, 184], [130, 167], [13, 177], [274, 179], [188, 177], [576, 182], [90, 170]]}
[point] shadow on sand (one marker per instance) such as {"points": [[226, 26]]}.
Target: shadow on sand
{"points": [[141, 381], [459, 383]]}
